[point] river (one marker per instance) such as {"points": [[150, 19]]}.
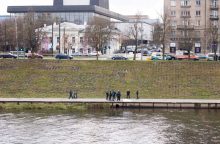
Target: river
{"points": [[111, 127]]}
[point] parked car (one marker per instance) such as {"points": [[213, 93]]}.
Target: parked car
{"points": [[34, 56], [186, 57], [63, 56], [77, 54], [201, 56], [169, 57], [210, 56], [156, 56], [117, 57], [146, 53], [8, 55], [94, 53]]}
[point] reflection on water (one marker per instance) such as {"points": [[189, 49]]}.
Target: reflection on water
{"points": [[111, 127]]}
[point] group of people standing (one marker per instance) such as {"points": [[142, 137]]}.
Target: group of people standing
{"points": [[112, 95]]}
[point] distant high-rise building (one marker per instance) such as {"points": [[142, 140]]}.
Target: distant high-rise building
{"points": [[190, 22]]}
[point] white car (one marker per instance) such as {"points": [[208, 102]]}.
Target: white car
{"points": [[94, 53], [210, 56]]}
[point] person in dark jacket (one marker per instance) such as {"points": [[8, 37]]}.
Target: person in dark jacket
{"points": [[128, 94], [107, 95], [137, 94], [110, 95], [70, 94], [118, 95], [113, 95]]}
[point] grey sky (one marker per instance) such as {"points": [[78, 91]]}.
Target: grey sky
{"points": [[148, 7]]}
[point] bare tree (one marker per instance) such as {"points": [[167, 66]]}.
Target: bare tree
{"points": [[7, 38], [135, 32], [156, 34], [164, 31], [186, 36], [213, 38], [98, 33]]}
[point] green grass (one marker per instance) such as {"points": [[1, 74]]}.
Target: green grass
{"points": [[50, 78]]}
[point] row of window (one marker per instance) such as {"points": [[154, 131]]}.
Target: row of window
{"points": [[75, 17], [186, 13], [188, 2], [73, 40], [188, 23], [183, 33], [197, 13]]}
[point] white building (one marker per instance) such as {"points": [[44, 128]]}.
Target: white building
{"points": [[72, 39]]}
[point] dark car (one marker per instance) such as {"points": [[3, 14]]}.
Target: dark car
{"points": [[9, 55], [119, 58], [169, 57], [63, 56]]}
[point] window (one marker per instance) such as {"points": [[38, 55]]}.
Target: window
{"points": [[214, 3], [185, 3], [198, 13], [173, 13], [198, 23], [197, 34], [215, 23], [198, 2], [73, 50], [173, 33], [186, 22], [185, 13], [173, 23], [81, 40], [173, 2], [58, 39], [73, 40]]}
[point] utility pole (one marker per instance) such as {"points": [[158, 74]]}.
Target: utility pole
{"points": [[205, 34], [52, 40], [64, 39], [59, 39], [16, 35], [5, 37], [142, 41]]}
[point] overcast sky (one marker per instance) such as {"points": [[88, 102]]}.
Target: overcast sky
{"points": [[149, 7]]}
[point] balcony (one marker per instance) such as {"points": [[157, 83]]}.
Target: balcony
{"points": [[185, 6], [214, 17], [185, 27], [214, 7], [185, 16]]}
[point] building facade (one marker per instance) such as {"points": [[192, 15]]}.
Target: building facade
{"points": [[191, 21], [70, 38], [75, 11]]}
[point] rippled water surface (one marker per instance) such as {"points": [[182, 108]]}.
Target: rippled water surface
{"points": [[110, 127]]}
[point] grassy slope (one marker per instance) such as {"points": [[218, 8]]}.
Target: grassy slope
{"points": [[44, 78]]}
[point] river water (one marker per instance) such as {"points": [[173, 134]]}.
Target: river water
{"points": [[111, 127]]}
